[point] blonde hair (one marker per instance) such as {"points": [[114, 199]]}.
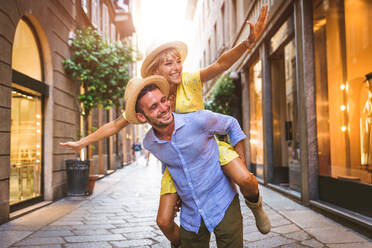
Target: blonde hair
{"points": [[160, 58]]}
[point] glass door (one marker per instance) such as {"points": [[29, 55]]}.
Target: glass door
{"points": [[286, 134], [25, 147]]}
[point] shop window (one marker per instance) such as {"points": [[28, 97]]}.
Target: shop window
{"points": [[26, 117], [255, 119], [343, 50]]}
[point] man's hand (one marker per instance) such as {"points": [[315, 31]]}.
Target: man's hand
{"points": [[72, 145], [257, 29], [177, 207]]}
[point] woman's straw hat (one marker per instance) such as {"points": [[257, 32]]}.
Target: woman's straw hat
{"points": [[156, 48], [134, 87]]}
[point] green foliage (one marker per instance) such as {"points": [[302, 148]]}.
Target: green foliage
{"points": [[101, 67], [224, 98]]}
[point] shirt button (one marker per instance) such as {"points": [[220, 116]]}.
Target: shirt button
{"points": [[190, 184]]}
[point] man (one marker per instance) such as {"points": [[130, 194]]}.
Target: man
{"points": [[186, 143], [136, 149]]}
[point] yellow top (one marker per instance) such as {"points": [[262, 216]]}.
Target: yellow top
{"points": [[189, 96]]}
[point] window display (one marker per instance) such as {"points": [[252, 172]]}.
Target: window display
{"points": [[343, 51], [25, 147], [255, 112]]}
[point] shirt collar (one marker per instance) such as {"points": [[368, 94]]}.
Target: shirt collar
{"points": [[178, 123]]}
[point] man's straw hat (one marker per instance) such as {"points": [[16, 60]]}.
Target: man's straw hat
{"points": [[156, 48], [134, 87]]}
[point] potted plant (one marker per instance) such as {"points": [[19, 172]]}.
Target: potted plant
{"points": [[102, 70]]}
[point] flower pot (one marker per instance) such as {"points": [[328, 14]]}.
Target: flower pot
{"points": [[92, 182]]}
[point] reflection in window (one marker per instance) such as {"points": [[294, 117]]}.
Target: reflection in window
{"points": [[84, 5], [343, 51], [255, 120], [96, 18], [25, 147], [105, 22]]}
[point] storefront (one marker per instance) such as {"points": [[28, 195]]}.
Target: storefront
{"points": [[343, 59], [28, 91], [309, 104]]}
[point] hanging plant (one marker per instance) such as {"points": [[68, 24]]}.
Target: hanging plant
{"points": [[101, 67]]}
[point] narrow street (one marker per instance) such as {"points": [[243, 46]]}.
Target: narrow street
{"points": [[122, 212]]}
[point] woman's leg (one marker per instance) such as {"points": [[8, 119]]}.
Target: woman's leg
{"points": [[239, 174], [165, 218]]}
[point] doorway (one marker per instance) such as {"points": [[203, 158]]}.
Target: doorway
{"points": [[286, 136]]}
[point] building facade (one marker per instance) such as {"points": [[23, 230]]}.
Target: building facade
{"points": [[38, 105], [305, 96]]}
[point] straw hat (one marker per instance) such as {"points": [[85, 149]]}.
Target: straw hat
{"points": [[134, 87], [154, 49]]}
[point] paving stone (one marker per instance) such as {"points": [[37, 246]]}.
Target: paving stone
{"points": [[40, 246], [300, 235], [67, 223], [40, 241], [286, 229], [140, 235], [329, 235], [294, 245], [92, 227], [269, 242], [132, 243], [254, 236], [308, 218], [353, 245], [95, 238], [91, 232], [10, 237], [313, 243], [89, 245], [51, 234], [132, 229]]}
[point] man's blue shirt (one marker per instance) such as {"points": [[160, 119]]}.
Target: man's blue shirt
{"points": [[193, 161]]}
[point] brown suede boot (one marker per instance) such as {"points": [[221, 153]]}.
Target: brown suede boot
{"points": [[262, 220]]}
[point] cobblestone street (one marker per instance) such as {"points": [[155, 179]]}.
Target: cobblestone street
{"points": [[122, 212]]}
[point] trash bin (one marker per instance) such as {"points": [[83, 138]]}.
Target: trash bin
{"points": [[77, 177]]}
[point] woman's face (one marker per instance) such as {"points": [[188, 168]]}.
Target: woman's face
{"points": [[171, 69]]}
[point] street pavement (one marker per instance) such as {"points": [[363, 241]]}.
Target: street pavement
{"points": [[122, 211]]}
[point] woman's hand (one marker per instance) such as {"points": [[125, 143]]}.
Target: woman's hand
{"points": [[72, 145], [257, 29]]}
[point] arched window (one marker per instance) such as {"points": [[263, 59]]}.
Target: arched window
{"points": [[28, 89]]}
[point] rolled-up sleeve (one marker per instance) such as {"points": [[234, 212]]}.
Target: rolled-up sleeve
{"points": [[225, 125]]}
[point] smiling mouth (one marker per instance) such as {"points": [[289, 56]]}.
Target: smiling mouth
{"points": [[164, 115]]}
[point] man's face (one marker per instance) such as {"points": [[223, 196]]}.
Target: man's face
{"points": [[171, 69], [156, 109]]}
